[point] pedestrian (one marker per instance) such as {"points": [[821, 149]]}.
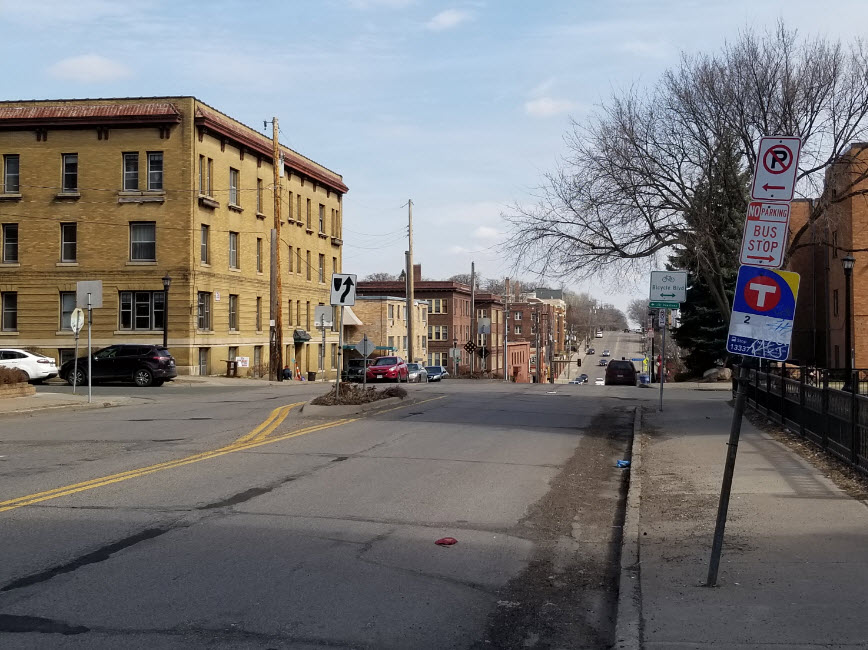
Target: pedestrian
{"points": [[287, 373]]}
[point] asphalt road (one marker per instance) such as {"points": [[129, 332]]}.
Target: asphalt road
{"points": [[213, 518]]}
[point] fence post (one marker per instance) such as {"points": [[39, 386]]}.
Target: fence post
{"points": [[825, 433], [802, 372], [768, 388], [854, 424]]}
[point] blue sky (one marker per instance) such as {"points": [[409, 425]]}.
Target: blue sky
{"points": [[460, 106]]}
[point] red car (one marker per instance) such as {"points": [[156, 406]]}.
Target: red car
{"points": [[388, 368]]}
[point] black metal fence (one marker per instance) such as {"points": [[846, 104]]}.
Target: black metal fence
{"points": [[814, 403]]}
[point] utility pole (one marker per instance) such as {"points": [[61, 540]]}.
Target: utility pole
{"points": [[472, 310], [505, 327], [275, 364], [410, 293], [535, 320]]}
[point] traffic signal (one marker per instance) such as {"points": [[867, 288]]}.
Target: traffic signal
{"points": [[579, 363]]}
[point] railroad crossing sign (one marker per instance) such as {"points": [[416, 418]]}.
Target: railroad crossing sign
{"points": [[470, 346], [343, 289], [668, 286], [765, 234], [762, 313], [776, 166]]}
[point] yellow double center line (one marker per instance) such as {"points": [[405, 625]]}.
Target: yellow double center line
{"points": [[255, 438]]}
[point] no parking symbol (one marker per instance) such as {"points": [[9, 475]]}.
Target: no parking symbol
{"points": [[777, 163]]}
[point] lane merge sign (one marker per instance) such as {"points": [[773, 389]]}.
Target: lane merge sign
{"points": [[343, 289], [766, 229], [668, 286], [777, 164], [762, 313]]}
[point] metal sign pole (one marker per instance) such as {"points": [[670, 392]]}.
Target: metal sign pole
{"points": [[662, 373], [322, 347], [89, 351], [365, 362], [340, 356], [75, 365]]}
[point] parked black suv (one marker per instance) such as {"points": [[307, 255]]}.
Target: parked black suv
{"points": [[145, 365], [356, 370]]}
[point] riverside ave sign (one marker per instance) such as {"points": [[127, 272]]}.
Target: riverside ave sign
{"points": [[765, 234]]}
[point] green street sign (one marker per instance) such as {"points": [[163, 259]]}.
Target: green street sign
{"points": [[664, 305]]}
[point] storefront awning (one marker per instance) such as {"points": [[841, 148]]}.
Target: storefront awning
{"points": [[350, 317], [300, 336]]}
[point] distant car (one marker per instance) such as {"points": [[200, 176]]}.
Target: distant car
{"points": [[621, 372], [578, 380], [37, 367], [592, 351], [599, 381], [145, 365], [599, 334], [607, 353], [388, 368], [417, 373], [436, 373], [355, 370], [602, 362], [585, 377]]}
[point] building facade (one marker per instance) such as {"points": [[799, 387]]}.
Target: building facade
{"points": [[384, 320], [129, 191]]}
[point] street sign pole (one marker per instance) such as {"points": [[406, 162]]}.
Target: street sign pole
{"points": [[322, 348], [662, 371], [89, 352], [365, 363], [76, 320], [340, 356]]}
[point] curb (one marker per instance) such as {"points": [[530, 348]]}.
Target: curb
{"points": [[75, 406], [628, 627], [313, 410]]}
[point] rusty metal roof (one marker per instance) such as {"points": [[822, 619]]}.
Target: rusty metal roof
{"points": [[85, 111]]}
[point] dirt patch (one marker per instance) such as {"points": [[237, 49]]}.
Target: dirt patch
{"points": [[353, 395], [851, 481], [567, 596]]}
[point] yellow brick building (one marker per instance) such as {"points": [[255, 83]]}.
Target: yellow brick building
{"points": [[384, 320], [126, 191]]}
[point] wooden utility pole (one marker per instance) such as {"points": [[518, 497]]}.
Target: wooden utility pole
{"points": [[410, 293], [276, 340], [473, 336]]}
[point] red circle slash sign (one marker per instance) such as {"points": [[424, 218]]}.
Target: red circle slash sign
{"points": [[778, 159], [762, 294]]}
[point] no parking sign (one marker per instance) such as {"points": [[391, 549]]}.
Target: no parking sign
{"points": [[762, 313]]}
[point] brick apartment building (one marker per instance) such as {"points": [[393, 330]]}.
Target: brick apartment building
{"points": [[449, 318], [127, 191], [818, 329], [529, 314]]}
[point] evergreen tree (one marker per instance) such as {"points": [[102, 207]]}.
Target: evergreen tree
{"points": [[718, 210]]}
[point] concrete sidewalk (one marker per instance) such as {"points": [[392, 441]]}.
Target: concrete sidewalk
{"points": [[794, 569]]}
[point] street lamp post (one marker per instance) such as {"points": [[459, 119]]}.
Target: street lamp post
{"points": [[848, 262], [167, 282]]}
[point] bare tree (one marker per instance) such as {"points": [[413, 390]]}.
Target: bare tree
{"points": [[637, 311], [643, 175], [380, 277], [463, 278]]}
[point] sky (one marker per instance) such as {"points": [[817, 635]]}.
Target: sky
{"points": [[460, 106]]}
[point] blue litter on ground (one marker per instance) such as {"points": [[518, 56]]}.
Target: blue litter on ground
{"points": [[623, 463]]}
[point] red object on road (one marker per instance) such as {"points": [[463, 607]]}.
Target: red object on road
{"points": [[446, 541]]}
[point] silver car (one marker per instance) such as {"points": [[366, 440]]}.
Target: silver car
{"points": [[416, 373]]}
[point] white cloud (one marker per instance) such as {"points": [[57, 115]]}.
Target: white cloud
{"points": [[448, 19], [487, 233], [548, 106], [89, 68]]}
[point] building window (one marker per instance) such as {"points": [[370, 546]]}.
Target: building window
{"points": [[321, 217], [68, 242], [233, 312], [143, 241], [322, 268], [11, 174], [298, 260], [10, 243], [142, 310], [308, 213], [234, 199], [335, 265], [391, 311], [835, 244], [204, 311], [9, 317], [391, 342], [516, 315], [308, 265], [835, 302], [307, 316], [259, 195], [70, 172], [439, 306], [438, 332], [67, 304], [258, 314], [334, 356], [259, 254], [233, 353], [205, 167], [233, 250], [131, 171], [298, 208], [518, 329], [203, 246], [155, 171]]}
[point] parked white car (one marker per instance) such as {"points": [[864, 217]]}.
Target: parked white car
{"points": [[599, 381], [37, 366]]}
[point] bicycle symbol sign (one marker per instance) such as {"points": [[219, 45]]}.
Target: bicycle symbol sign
{"points": [[669, 286]]}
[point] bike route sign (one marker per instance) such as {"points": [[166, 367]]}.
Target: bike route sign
{"points": [[762, 313], [668, 286]]}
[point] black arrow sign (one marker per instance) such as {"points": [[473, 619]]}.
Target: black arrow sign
{"points": [[348, 286]]}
